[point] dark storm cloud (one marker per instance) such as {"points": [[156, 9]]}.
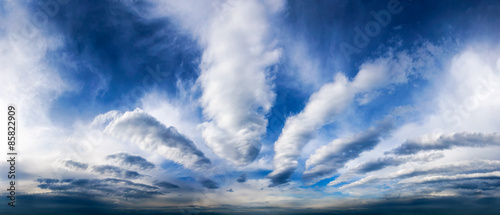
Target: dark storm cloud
{"points": [[115, 172], [207, 183], [448, 141], [131, 160]]}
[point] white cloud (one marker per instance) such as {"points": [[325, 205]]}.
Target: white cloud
{"points": [[333, 156], [144, 130], [235, 83], [326, 104]]}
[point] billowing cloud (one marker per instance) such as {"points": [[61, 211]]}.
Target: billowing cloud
{"points": [[237, 93], [238, 51], [144, 130], [329, 158], [448, 141], [131, 160]]}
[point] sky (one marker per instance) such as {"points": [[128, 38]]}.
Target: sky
{"points": [[252, 107]]}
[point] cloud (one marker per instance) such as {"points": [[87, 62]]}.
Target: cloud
{"points": [[458, 177], [144, 130], [230, 190], [448, 141], [426, 179], [75, 165], [326, 104], [329, 158], [101, 187], [115, 172], [383, 162], [207, 183], [235, 79], [242, 178], [165, 184], [131, 160], [379, 164]]}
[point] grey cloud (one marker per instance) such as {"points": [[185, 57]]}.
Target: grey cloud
{"points": [[230, 190], [109, 186], [464, 139], [75, 165], [207, 183], [115, 172], [167, 185], [144, 130], [378, 164], [427, 180], [242, 178], [384, 162], [131, 160], [328, 159]]}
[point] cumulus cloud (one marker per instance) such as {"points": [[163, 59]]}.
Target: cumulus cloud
{"points": [[329, 158], [326, 104], [131, 160], [448, 141], [144, 130]]}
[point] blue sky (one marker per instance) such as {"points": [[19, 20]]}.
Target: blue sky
{"points": [[284, 106]]}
